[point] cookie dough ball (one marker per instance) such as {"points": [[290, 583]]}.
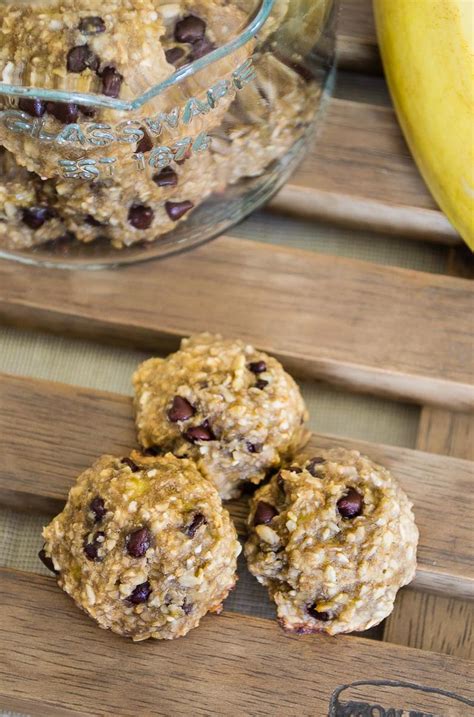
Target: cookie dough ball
{"points": [[77, 46], [333, 538], [231, 408], [28, 215], [120, 50], [137, 208], [144, 546], [266, 119]]}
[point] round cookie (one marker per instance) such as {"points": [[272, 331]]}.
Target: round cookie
{"points": [[119, 50], [144, 546], [138, 207], [27, 207], [333, 538], [231, 408], [265, 120]]}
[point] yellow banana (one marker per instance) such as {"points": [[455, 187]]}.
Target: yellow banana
{"points": [[427, 49]]}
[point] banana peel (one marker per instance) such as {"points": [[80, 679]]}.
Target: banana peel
{"points": [[427, 50]]}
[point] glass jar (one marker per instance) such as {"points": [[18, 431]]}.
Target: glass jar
{"points": [[133, 129]]}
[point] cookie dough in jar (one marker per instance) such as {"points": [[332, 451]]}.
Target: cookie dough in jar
{"points": [[333, 537], [143, 546], [28, 215], [135, 209], [152, 125], [231, 408], [119, 52]]}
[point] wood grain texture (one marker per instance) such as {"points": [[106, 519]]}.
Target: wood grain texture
{"points": [[431, 622], [231, 665], [446, 432], [61, 424], [374, 328], [360, 173], [357, 47]]}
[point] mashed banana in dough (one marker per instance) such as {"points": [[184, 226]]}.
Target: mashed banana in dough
{"points": [[333, 538], [144, 546]]}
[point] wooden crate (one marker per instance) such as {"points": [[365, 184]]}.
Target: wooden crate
{"points": [[394, 332]]}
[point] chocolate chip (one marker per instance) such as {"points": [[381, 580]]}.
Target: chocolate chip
{"points": [[111, 82], [295, 469], [312, 466], [180, 410], [261, 384], [35, 217], [174, 54], [257, 367], [350, 505], [81, 58], [200, 433], [201, 48], [254, 447], [264, 513], [138, 542], [91, 25], [92, 549], [145, 144], [48, 562], [97, 507], [33, 107], [166, 178], [64, 112], [140, 216], [196, 522], [92, 221], [176, 210], [323, 616], [186, 607], [190, 29], [131, 464], [140, 594]]}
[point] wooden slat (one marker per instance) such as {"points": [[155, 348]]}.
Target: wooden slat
{"points": [[432, 622], [375, 328], [357, 47], [446, 432], [360, 173], [231, 665], [421, 620], [61, 425]]}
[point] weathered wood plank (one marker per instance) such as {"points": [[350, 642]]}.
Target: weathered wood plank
{"points": [[375, 328], [446, 432], [431, 622], [361, 173], [232, 665], [357, 47], [61, 425]]}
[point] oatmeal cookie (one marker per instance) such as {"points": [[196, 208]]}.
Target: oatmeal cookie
{"points": [[143, 546], [231, 408], [333, 538], [120, 50], [27, 207], [265, 120], [138, 207]]}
